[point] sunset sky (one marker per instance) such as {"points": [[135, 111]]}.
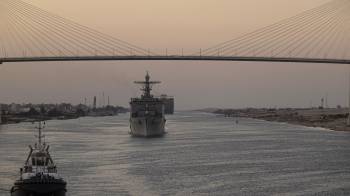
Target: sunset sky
{"points": [[189, 24]]}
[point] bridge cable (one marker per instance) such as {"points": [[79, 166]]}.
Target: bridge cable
{"points": [[288, 32], [266, 29], [285, 33], [67, 36], [87, 30]]}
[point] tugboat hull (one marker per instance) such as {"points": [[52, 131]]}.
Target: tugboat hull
{"points": [[39, 175], [147, 127], [38, 189]]}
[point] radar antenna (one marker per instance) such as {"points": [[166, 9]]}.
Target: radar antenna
{"points": [[147, 86]]}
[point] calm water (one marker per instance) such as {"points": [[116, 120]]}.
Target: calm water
{"points": [[202, 154]]}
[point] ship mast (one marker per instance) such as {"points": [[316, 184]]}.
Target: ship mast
{"points": [[40, 136], [147, 86]]}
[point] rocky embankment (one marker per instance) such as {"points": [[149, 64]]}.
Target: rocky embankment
{"points": [[330, 118]]}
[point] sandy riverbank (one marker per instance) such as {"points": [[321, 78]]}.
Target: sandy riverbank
{"points": [[330, 118]]}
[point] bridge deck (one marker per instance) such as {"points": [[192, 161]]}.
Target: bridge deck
{"points": [[174, 58]]}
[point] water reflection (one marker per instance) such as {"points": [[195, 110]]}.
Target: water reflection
{"points": [[201, 154]]}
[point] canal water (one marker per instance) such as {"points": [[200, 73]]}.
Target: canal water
{"points": [[202, 154]]}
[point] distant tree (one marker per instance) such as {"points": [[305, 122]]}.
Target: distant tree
{"points": [[32, 112], [80, 112], [42, 109], [54, 113]]}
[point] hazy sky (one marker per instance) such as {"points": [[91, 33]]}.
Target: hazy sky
{"points": [[188, 24]]}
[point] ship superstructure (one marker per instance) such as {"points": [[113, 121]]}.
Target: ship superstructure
{"points": [[39, 175], [168, 103], [147, 112]]}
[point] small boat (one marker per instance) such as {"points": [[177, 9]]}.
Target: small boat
{"points": [[39, 175]]}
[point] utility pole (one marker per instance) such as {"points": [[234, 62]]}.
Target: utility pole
{"points": [[103, 99], [348, 121], [0, 115], [94, 103]]}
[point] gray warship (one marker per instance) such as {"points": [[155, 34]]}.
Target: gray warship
{"points": [[39, 175], [147, 112]]}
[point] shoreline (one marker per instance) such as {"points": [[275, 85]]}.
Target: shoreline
{"points": [[341, 128], [18, 120], [334, 119]]}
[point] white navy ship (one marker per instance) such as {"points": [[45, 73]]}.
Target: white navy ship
{"points": [[147, 112], [39, 175]]}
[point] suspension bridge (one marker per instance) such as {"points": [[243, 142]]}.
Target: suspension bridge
{"points": [[31, 34]]}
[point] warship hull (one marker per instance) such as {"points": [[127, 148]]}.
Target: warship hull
{"points": [[147, 127], [147, 112]]}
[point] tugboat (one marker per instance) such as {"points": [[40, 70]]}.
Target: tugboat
{"points": [[147, 112], [39, 175]]}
